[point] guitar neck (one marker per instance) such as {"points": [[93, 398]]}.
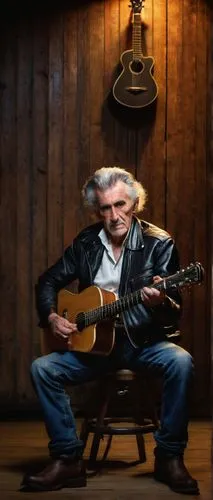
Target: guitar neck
{"points": [[136, 37], [186, 277], [112, 309]]}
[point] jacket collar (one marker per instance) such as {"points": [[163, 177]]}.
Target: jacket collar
{"points": [[135, 239]]}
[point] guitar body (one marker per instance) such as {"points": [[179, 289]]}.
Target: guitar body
{"points": [[97, 338], [136, 86]]}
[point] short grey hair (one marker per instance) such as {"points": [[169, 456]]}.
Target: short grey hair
{"points": [[106, 177]]}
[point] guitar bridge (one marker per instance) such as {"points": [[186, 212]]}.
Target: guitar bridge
{"points": [[136, 90]]}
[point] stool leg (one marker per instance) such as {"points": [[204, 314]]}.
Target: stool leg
{"points": [[141, 447], [100, 421], [94, 447], [84, 433]]}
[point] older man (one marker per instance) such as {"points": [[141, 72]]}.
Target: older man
{"points": [[119, 253]]}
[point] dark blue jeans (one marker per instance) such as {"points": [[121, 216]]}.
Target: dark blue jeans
{"points": [[52, 372]]}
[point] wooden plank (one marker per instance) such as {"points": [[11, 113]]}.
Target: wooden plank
{"points": [[111, 61], [174, 110], [148, 27], [210, 191], [39, 161], [71, 193], [112, 41], [188, 125], [96, 80], [55, 138], [176, 202], [24, 207], [200, 296], [8, 221], [83, 116]]}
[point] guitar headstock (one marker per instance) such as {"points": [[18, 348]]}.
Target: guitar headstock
{"points": [[193, 274], [136, 6]]}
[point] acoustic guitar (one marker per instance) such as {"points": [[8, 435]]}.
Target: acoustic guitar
{"points": [[135, 87], [94, 311]]}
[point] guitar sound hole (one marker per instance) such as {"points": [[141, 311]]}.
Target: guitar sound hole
{"points": [[136, 66]]}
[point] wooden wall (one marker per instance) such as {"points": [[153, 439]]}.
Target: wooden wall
{"points": [[59, 123]]}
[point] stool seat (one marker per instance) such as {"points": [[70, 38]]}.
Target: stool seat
{"points": [[120, 385], [125, 374]]}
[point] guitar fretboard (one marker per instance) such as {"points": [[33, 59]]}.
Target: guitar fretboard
{"points": [[113, 309], [136, 37]]}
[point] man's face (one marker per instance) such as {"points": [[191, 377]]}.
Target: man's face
{"points": [[115, 209]]}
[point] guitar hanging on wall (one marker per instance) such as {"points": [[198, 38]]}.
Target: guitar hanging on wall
{"points": [[135, 87]]}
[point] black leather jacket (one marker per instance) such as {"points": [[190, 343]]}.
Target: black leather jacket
{"points": [[149, 251]]}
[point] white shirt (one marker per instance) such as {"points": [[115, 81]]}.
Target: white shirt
{"points": [[109, 272]]}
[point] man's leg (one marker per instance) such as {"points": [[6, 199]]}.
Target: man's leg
{"points": [[175, 365], [49, 375]]}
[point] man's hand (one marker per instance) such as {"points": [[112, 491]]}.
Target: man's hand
{"points": [[151, 296], [61, 327]]}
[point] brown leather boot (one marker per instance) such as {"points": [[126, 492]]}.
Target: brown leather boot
{"points": [[170, 469], [59, 474]]}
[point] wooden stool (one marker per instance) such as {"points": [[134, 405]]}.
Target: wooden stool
{"points": [[114, 387]]}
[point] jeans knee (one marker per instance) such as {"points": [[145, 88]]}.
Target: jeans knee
{"points": [[38, 368], [184, 363]]}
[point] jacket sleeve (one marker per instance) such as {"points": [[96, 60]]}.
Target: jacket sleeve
{"points": [[167, 263], [62, 273], [163, 318]]}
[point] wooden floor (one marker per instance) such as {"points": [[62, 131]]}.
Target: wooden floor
{"points": [[24, 447]]}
